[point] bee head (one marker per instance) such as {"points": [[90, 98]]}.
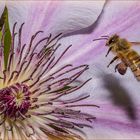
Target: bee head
{"points": [[112, 40], [111, 43]]}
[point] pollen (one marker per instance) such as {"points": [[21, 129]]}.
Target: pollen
{"points": [[15, 101]]}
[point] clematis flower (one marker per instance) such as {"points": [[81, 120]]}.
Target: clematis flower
{"points": [[40, 94], [118, 97]]}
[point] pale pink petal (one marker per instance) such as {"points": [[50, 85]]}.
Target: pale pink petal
{"points": [[16, 15], [54, 16], [2, 5]]}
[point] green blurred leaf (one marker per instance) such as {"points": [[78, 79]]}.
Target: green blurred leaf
{"points": [[0, 35], [2, 19], [7, 38], [63, 89]]}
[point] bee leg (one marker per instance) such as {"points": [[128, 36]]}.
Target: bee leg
{"points": [[121, 68], [115, 58], [108, 51]]}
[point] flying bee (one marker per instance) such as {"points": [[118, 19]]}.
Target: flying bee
{"points": [[123, 51]]}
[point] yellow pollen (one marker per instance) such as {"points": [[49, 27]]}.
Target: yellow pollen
{"points": [[19, 98]]}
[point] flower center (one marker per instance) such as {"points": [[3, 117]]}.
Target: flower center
{"points": [[15, 100]]}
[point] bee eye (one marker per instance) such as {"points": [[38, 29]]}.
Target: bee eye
{"points": [[111, 41]]}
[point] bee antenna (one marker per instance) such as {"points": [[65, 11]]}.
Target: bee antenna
{"points": [[105, 36], [100, 39]]}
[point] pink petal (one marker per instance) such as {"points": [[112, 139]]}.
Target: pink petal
{"points": [[54, 16], [2, 5]]}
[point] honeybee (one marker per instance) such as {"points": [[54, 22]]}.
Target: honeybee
{"points": [[123, 51]]}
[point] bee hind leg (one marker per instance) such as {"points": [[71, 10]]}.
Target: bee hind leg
{"points": [[121, 68], [114, 59]]}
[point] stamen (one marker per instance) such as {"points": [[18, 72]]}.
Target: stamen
{"points": [[48, 89], [47, 60], [20, 69], [40, 41], [12, 75], [4, 73], [10, 60], [79, 98], [19, 38], [13, 36], [47, 67], [69, 65], [31, 42], [36, 90], [58, 37], [84, 105], [61, 56], [45, 81], [78, 87], [21, 54], [34, 83], [106, 36], [60, 82], [29, 62], [2, 120], [75, 68]]}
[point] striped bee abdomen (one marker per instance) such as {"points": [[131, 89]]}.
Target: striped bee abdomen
{"points": [[133, 61]]}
